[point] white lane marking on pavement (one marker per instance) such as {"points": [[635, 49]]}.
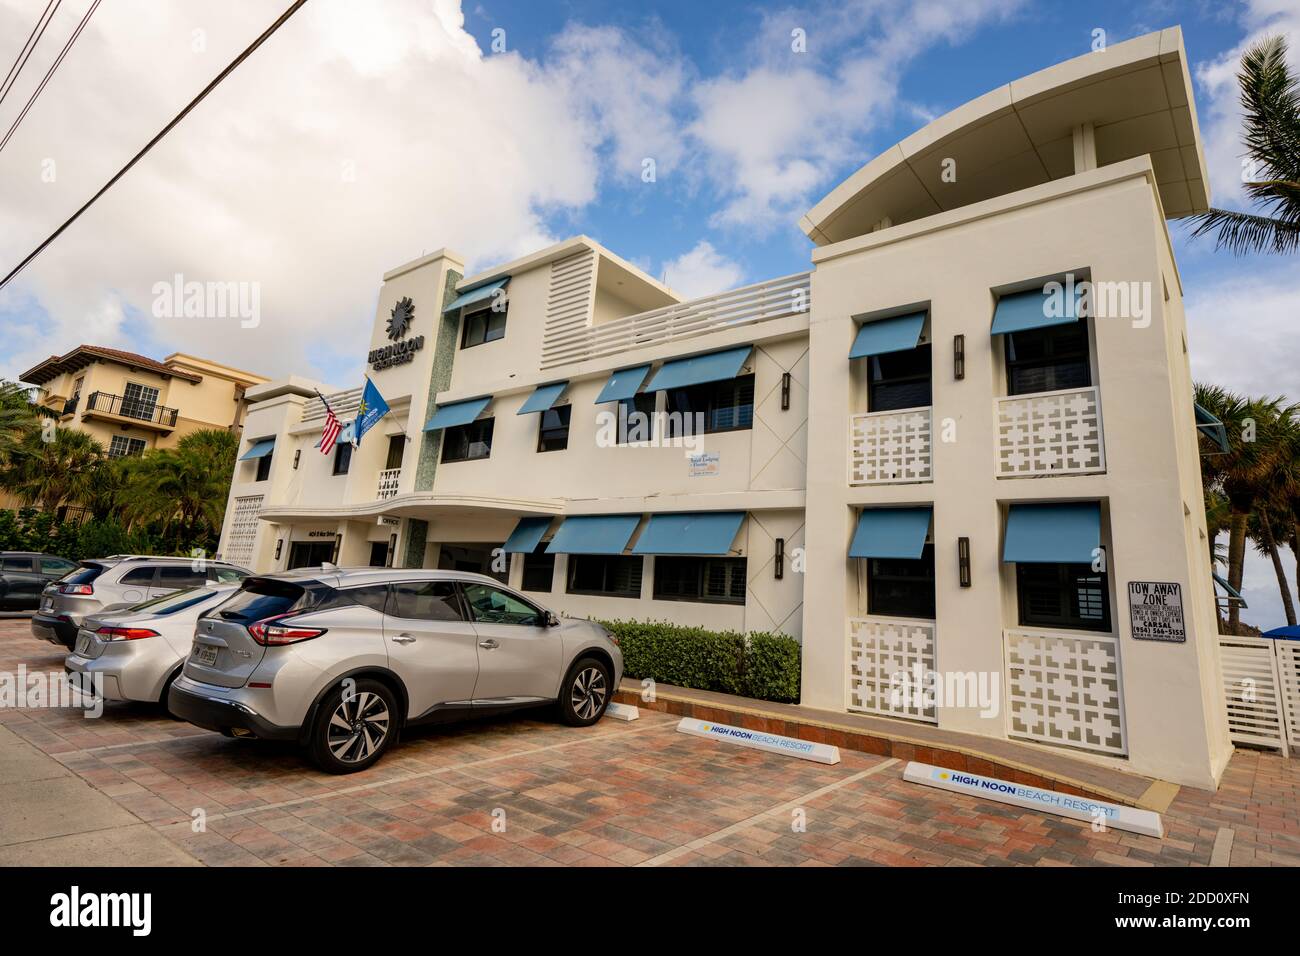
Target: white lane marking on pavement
{"points": [[783, 808]]}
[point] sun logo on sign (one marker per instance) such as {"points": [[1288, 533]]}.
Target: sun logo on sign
{"points": [[400, 318]]}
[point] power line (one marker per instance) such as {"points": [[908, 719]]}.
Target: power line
{"points": [[32, 39], [293, 8], [50, 72]]}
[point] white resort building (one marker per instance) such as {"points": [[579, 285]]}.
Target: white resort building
{"points": [[963, 442]]}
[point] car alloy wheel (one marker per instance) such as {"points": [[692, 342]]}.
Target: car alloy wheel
{"points": [[588, 694], [358, 727]]}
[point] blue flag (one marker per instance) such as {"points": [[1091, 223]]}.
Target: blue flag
{"points": [[369, 411]]}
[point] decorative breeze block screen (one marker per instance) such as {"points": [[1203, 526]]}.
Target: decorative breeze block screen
{"points": [[881, 647], [243, 531], [1051, 433], [1065, 689], [887, 447]]}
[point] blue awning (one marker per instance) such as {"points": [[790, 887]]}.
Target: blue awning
{"points": [[888, 335], [891, 533], [457, 413], [593, 534], [1210, 426], [526, 536], [623, 384], [696, 532], [260, 449], [1053, 533], [698, 369], [476, 294], [1035, 309], [1232, 592], [543, 397]]}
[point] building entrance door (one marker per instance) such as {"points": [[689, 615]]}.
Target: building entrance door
{"points": [[308, 554]]}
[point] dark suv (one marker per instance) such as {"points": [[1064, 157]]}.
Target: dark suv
{"points": [[23, 576]]}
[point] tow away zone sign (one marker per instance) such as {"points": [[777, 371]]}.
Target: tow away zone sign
{"points": [[1115, 816], [757, 740]]}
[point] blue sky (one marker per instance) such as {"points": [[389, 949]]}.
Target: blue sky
{"points": [[364, 135]]}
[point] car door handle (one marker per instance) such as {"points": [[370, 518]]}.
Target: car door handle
{"points": [[488, 644], [403, 639]]}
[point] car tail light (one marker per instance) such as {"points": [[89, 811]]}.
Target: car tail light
{"points": [[270, 634], [76, 589], [125, 633]]}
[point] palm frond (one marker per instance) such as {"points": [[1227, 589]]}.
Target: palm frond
{"points": [[1244, 233]]}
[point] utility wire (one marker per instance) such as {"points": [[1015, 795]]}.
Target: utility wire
{"points": [[32, 39], [50, 72], [293, 8]]}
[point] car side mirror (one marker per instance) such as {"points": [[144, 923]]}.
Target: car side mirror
{"points": [[552, 620]]}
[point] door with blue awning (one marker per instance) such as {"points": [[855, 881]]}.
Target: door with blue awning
{"points": [[695, 533], [883, 336], [1056, 533], [457, 413], [594, 534], [527, 535], [891, 532], [700, 369]]}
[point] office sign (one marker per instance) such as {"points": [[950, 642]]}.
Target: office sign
{"points": [[707, 464], [1156, 612], [1112, 815], [757, 740]]}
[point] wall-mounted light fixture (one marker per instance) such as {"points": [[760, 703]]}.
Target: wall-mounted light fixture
{"points": [[959, 357], [279, 547], [778, 563], [785, 391], [296, 455], [963, 562]]}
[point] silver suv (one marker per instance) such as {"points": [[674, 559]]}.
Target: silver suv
{"points": [[341, 660], [116, 582]]}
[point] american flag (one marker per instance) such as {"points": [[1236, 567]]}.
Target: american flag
{"points": [[332, 428]]}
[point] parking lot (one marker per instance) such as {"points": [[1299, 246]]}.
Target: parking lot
{"points": [[528, 791]]}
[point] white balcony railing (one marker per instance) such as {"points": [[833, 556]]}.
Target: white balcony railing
{"points": [[773, 299], [344, 405], [1050, 433], [890, 447], [890, 662], [388, 481], [1064, 687]]}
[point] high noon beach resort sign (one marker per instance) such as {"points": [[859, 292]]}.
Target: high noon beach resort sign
{"points": [[403, 349]]}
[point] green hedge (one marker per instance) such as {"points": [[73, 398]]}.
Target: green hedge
{"points": [[761, 665], [27, 529]]}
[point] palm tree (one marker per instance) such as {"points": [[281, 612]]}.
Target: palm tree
{"points": [[51, 473], [183, 490], [1270, 97], [17, 416]]}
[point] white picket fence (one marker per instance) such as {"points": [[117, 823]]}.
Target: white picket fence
{"points": [[1261, 690]]}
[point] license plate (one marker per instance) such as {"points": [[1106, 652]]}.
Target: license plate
{"points": [[205, 654], [83, 642]]}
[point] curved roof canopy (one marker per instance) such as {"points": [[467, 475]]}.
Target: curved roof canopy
{"points": [[1137, 96]]}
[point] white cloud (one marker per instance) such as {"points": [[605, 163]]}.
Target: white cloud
{"points": [[702, 271]]}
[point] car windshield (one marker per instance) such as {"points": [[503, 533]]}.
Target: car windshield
{"points": [[85, 574], [175, 601]]}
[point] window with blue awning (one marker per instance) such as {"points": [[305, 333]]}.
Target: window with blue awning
{"points": [[888, 335], [476, 294], [1058, 533], [260, 449], [1213, 429], [457, 413], [699, 369], [697, 532], [1035, 309], [891, 533], [526, 536], [623, 384], [594, 534], [543, 397]]}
